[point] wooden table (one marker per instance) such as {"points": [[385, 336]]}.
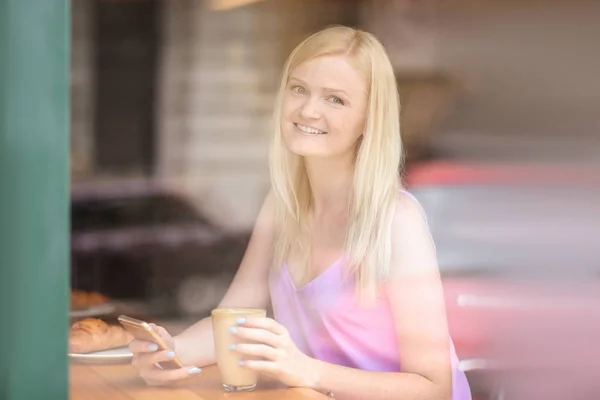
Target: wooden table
{"points": [[121, 382]]}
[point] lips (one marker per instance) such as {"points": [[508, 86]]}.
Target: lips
{"points": [[309, 130]]}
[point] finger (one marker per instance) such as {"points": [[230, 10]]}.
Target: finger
{"points": [[142, 346], [149, 360], [162, 332], [266, 367], [159, 377], [164, 335], [157, 357], [257, 335], [268, 324], [258, 350]]}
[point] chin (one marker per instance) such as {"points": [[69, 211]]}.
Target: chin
{"points": [[302, 145], [305, 151]]}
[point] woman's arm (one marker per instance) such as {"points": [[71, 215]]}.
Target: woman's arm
{"points": [[416, 298], [249, 288]]}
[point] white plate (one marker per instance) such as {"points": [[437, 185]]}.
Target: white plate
{"points": [[119, 355], [93, 311]]}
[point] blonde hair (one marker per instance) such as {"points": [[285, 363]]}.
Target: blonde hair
{"points": [[376, 170]]}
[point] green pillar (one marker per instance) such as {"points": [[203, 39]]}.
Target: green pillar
{"points": [[34, 198]]}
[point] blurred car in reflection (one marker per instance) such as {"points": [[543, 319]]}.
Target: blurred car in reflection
{"points": [[518, 250], [138, 240]]}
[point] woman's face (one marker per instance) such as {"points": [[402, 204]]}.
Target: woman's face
{"points": [[324, 108]]}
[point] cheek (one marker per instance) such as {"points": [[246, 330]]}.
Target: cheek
{"points": [[354, 127], [288, 106]]}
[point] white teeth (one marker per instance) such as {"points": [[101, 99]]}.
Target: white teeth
{"points": [[310, 130]]}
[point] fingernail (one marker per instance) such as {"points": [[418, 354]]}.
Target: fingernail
{"points": [[194, 371], [240, 363], [240, 320], [170, 354], [232, 329], [231, 346], [153, 347]]}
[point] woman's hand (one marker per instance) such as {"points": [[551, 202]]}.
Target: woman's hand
{"points": [[282, 359], [146, 356]]}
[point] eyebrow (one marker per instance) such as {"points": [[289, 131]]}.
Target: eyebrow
{"points": [[325, 88]]}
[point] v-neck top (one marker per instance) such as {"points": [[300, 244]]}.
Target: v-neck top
{"points": [[326, 322]]}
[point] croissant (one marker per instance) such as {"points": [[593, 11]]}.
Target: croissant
{"points": [[82, 299], [92, 334]]}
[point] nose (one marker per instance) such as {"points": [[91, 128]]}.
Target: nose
{"points": [[309, 109]]}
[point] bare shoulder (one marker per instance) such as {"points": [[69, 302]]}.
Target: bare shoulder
{"points": [[266, 216], [408, 213], [412, 245]]}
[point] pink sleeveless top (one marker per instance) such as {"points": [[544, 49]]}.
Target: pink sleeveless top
{"points": [[326, 322]]}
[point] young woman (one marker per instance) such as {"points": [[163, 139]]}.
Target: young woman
{"points": [[339, 249]]}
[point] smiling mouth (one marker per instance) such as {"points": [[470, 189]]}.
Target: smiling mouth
{"points": [[308, 130]]}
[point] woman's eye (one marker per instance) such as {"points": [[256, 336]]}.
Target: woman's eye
{"points": [[298, 90], [337, 100]]}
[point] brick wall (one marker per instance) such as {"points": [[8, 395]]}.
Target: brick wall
{"points": [[218, 77]]}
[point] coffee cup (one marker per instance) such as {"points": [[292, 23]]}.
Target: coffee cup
{"points": [[234, 378]]}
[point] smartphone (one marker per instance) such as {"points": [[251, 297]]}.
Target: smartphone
{"points": [[142, 330]]}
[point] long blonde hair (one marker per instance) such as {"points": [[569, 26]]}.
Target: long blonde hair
{"points": [[376, 169]]}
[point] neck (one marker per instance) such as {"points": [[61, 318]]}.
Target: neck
{"points": [[330, 182]]}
